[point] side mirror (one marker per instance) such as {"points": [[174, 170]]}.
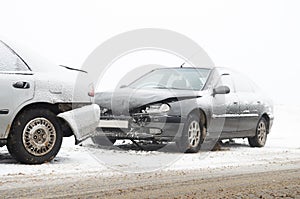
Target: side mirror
{"points": [[221, 90]]}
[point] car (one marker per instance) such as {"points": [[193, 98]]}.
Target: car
{"points": [[185, 105], [39, 105]]}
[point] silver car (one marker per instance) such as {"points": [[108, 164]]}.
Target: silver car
{"points": [[39, 105]]}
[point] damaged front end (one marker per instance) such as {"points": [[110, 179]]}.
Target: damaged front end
{"points": [[144, 114], [148, 122]]}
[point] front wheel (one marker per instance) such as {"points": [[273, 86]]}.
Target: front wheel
{"points": [[35, 137], [260, 138], [192, 135]]}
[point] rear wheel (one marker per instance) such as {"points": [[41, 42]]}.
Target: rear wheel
{"points": [[192, 135], [35, 137], [259, 140]]}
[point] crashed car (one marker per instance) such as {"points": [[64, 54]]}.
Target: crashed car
{"points": [[186, 105], [38, 108]]}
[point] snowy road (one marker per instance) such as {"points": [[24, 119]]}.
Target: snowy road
{"points": [[279, 180], [110, 168]]}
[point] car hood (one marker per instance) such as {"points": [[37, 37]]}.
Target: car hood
{"points": [[123, 100]]}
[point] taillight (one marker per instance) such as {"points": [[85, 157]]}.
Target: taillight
{"points": [[91, 92]]}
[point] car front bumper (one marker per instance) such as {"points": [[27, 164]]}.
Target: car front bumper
{"points": [[141, 127]]}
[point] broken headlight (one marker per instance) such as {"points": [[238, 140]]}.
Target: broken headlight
{"points": [[157, 108], [105, 111]]}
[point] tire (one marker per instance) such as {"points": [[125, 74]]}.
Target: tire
{"points": [[103, 141], [192, 135], [35, 136], [260, 138]]}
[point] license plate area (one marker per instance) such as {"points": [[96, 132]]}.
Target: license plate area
{"points": [[113, 124]]}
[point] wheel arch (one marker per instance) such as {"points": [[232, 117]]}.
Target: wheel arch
{"points": [[184, 143], [202, 114], [54, 108], [267, 118]]}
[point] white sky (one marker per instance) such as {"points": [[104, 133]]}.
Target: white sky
{"points": [[257, 37]]}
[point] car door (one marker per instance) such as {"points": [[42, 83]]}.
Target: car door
{"points": [[226, 107], [16, 85], [248, 104]]}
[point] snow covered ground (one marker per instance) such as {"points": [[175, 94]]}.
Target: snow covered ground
{"points": [[282, 147]]}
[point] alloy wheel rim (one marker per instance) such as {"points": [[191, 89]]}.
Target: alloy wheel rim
{"points": [[261, 132], [39, 136], [194, 134]]}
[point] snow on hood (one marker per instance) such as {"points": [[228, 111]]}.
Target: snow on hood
{"points": [[125, 99]]}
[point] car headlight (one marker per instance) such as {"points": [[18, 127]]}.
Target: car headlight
{"points": [[157, 108], [103, 110]]}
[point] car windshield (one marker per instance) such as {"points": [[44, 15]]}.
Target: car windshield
{"points": [[173, 78]]}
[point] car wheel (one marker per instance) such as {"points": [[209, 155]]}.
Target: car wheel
{"points": [[192, 135], [259, 140], [103, 141], [35, 137]]}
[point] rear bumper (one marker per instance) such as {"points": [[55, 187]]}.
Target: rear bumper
{"points": [[83, 121]]}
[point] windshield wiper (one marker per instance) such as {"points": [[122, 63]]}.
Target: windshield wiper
{"points": [[160, 87], [174, 88]]}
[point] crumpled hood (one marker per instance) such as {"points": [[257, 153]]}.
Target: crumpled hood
{"points": [[122, 100]]}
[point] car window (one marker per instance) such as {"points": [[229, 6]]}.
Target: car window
{"points": [[9, 61], [174, 78], [186, 80], [242, 83]]}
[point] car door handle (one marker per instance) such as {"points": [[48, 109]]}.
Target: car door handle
{"points": [[21, 85], [246, 111], [4, 111]]}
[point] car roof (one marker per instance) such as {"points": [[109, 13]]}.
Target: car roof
{"points": [[223, 70]]}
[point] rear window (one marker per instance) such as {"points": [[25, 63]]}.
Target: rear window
{"points": [[9, 61]]}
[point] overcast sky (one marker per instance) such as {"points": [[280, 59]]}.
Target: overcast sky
{"points": [[259, 38]]}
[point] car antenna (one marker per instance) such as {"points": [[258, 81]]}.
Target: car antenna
{"points": [[182, 64]]}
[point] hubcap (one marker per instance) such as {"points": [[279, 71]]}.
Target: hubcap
{"points": [[39, 136], [261, 132], [194, 133]]}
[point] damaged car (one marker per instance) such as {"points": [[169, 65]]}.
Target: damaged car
{"points": [[40, 105], [185, 105]]}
